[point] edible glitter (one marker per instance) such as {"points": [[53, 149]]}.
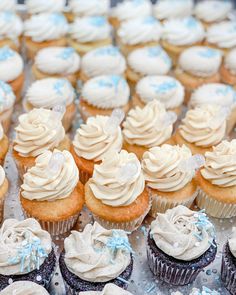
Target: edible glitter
{"points": [[58, 86], [6, 53], [208, 53], [164, 87], [57, 18], [109, 50], [118, 241], [97, 21], [66, 53]]}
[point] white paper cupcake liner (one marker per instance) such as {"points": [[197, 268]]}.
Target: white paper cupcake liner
{"points": [[228, 275], [215, 208], [2, 200]]}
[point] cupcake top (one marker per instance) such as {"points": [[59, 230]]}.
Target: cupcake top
{"points": [[90, 29], [165, 89], [165, 9], [46, 27], [93, 141], [2, 176], [9, 5], [182, 233], [213, 10], [183, 31], [140, 30], [106, 92], [204, 126], [11, 26], [103, 61], [53, 177], [11, 64], [107, 290], [146, 126], [162, 167], [232, 242], [149, 61], [57, 60], [200, 61], [24, 288], [20, 239], [230, 61], [50, 92], [40, 6], [195, 291], [220, 166], [89, 8], [97, 254], [7, 97], [118, 180], [38, 131]]}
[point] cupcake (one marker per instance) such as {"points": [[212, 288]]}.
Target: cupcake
{"points": [[57, 62], [181, 33], [102, 94], [44, 30], [24, 288], [169, 175], [147, 127], [195, 291], [108, 289], [217, 181], [3, 192], [180, 244], [116, 193], [108, 260], [51, 192], [164, 89], [93, 140], [4, 145], [105, 60], [136, 33], [37, 131], [198, 65], [202, 128], [27, 253], [12, 66], [42, 6], [49, 93], [228, 68], [88, 33], [8, 5], [228, 268]]}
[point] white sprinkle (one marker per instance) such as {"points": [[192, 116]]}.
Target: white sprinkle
{"points": [[10, 281], [24, 243], [38, 278], [197, 244], [176, 245]]}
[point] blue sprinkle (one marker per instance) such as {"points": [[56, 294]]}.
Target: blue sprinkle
{"points": [[149, 20], [164, 87], [6, 87], [112, 81], [122, 280], [97, 21], [190, 22], [149, 290], [154, 51], [67, 53], [224, 90], [58, 86], [117, 242], [57, 18], [7, 16], [208, 53], [110, 50], [6, 53]]}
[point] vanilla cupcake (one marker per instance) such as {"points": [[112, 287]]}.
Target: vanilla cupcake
{"points": [[147, 127], [49, 93], [108, 289], [202, 128], [42, 6], [87, 33], [105, 60], [4, 145], [3, 191], [24, 288], [102, 94], [57, 62], [8, 5], [164, 89], [228, 68], [181, 33], [44, 30], [217, 181]]}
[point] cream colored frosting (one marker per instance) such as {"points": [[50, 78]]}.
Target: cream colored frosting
{"points": [[141, 125], [204, 126], [232, 242], [50, 92], [58, 60], [90, 29], [200, 61], [111, 185], [2, 176], [89, 8], [182, 234], [38, 131], [9, 5], [11, 26], [48, 180], [165, 9], [40, 6], [165, 89], [24, 288], [140, 30], [195, 291], [149, 61], [92, 142], [183, 31], [7, 97], [103, 61], [18, 235], [45, 27], [11, 64], [1, 132], [230, 61], [213, 10], [89, 256], [109, 289], [162, 167], [220, 166]]}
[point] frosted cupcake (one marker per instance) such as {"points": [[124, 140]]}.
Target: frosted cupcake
{"points": [[4, 145], [164, 89], [105, 60], [51, 192], [180, 244], [24, 288], [49, 93], [88, 33], [3, 191], [139, 32], [181, 33], [217, 181], [196, 291], [228, 68], [116, 193], [42, 6], [147, 127], [108, 289], [109, 260], [8, 5], [57, 62], [44, 30]]}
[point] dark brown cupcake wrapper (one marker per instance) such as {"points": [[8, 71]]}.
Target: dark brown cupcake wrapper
{"points": [[228, 270]]}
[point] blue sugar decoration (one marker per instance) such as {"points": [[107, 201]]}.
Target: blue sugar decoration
{"points": [[117, 242], [6, 53], [149, 20], [224, 90], [66, 53], [154, 51], [97, 21], [149, 290], [7, 16], [164, 87], [202, 222], [190, 22], [57, 18], [109, 50], [208, 291], [112, 81], [59, 85], [6, 88], [208, 53], [122, 280]]}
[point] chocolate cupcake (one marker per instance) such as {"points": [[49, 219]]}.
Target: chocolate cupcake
{"points": [[180, 244], [108, 289], [24, 288]]}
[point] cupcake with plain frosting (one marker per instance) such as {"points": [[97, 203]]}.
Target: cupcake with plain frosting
{"points": [[42, 6], [24, 288], [3, 191], [4, 145], [228, 68]]}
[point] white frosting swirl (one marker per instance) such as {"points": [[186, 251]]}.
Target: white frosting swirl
{"points": [[232, 242], [40, 6], [89, 8], [9, 5], [2, 176], [230, 61], [7, 97], [1, 132], [107, 290], [11, 26], [165, 9], [24, 288]]}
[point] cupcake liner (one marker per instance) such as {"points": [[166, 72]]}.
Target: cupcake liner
{"points": [[228, 270], [69, 290], [215, 208], [2, 201]]}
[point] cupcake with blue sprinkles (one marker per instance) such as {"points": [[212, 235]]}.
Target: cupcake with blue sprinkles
{"points": [[180, 244]]}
